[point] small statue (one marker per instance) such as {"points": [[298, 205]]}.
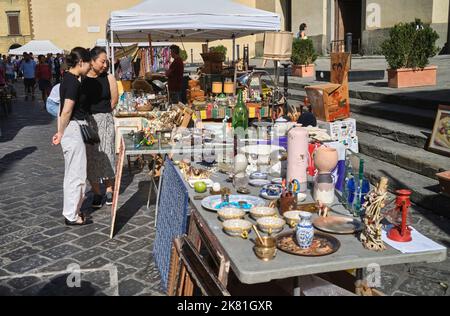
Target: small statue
{"points": [[371, 236]]}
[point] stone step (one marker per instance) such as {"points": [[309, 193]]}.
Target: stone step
{"points": [[360, 92], [399, 132], [425, 190], [410, 158], [423, 118]]}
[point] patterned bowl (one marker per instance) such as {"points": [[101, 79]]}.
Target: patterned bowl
{"points": [[228, 213], [259, 212], [292, 218], [271, 225], [237, 228]]}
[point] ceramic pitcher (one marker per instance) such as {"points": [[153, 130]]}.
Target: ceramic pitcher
{"points": [[305, 231]]}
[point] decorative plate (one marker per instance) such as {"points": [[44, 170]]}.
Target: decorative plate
{"points": [[265, 192], [245, 202], [277, 181], [338, 225], [259, 176], [323, 245], [258, 182]]}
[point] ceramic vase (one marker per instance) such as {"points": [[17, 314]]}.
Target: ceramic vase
{"points": [[325, 160], [305, 231], [298, 142]]}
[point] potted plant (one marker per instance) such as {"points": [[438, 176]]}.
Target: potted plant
{"points": [[217, 53], [407, 51], [303, 57]]}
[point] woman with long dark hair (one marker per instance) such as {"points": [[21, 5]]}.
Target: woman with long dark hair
{"points": [[71, 116], [100, 95]]}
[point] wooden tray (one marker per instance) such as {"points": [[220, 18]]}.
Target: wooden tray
{"points": [[328, 245]]}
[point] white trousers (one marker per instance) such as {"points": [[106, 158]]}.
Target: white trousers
{"points": [[75, 175]]}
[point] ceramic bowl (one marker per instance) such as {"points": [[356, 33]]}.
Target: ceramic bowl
{"points": [[259, 212], [237, 228], [292, 218], [271, 225], [229, 213], [301, 197]]}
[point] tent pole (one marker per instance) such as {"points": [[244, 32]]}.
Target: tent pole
{"points": [[234, 47], [113, 61]]}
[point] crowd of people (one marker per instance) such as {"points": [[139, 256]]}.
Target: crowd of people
{"points": [[44, 72], [79, 90]]}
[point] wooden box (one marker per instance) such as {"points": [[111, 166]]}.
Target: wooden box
{"points": [[329, 102]]}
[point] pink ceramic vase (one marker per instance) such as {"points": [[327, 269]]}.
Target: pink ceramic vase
{"points": [[298, 142], [326, 159]]}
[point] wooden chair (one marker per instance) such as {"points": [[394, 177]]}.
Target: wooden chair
{"points": [[189, 271]]}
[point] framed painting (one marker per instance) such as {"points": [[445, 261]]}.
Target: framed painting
{"points": [[440, 138]]}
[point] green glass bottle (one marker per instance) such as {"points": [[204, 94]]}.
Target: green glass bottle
{"points": [[240, 114]]}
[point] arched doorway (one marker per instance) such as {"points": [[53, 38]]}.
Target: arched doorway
{"points": [[14, 46]]}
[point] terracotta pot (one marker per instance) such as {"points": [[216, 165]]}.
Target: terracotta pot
{"points": [[303, 71], [326, 159], [408, 77], [444, 180]]}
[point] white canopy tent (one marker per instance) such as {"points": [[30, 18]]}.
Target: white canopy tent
{"points": [[191, 21], [37, 48]]}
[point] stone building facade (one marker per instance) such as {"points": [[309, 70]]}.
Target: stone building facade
{"points": [[70, 23], [15, 28]]}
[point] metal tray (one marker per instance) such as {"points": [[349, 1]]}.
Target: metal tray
{"points": [[323, 245], [338, 225]]}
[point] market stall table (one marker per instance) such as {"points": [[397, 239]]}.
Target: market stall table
{"points": [[250, 270]]}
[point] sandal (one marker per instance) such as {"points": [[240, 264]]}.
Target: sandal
{"points": [[84, 222]]}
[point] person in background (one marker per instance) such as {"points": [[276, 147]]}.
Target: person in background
{"points": [[2, 76], [53, 101], [28, 68], [100, 94], [302, 31], [57, 69], [175, 75], [16, 68], [9, 69], [44, 77], [72, 116]]}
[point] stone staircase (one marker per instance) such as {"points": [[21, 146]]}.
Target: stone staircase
{"points": [[392, 139]]}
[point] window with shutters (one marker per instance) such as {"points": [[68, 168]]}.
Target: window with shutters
{"points": [[13, 23]]}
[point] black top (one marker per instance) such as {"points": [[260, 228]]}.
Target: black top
{"points": [[96, 94], [70, 89]]}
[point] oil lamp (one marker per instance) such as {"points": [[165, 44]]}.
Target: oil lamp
{"points": [[401, 232]]}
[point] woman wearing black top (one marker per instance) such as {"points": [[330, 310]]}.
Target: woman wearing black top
{"points": [[100, 94], [72, 115]]}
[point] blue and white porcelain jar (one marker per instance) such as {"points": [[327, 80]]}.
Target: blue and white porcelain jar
{"points": [[305, 231]]}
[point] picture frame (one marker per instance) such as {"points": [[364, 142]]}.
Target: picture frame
{"points": [[440, 138]]}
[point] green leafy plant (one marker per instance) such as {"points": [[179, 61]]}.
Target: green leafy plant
{"points": [[410, 45], [303, 52], [219, 49], [183, 55]]}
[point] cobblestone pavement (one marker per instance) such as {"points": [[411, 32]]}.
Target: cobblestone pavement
{"points": [[35, 245], [34, 242]]}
